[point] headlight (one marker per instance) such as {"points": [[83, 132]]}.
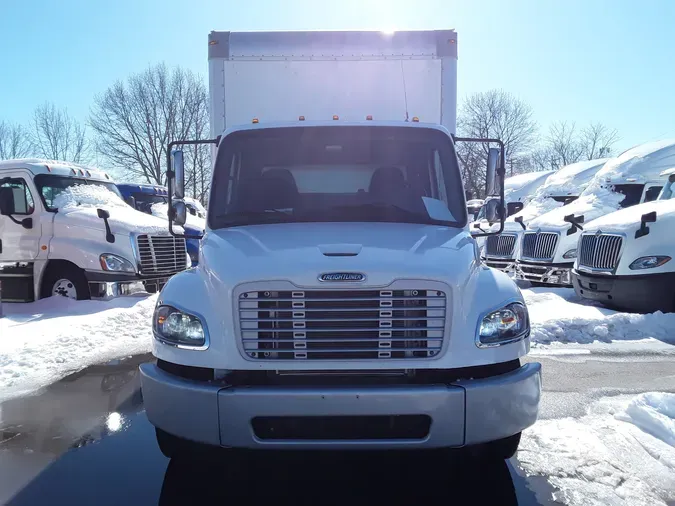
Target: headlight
{"points": [[570, 254], [182, 329], [114, 263], [648, 262], [504, 326]]}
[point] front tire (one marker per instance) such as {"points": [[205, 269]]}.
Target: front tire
{"points": [[67, 281]]}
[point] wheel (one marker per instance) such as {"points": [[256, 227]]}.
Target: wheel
{"points": [[67, 281], [500, 449]]}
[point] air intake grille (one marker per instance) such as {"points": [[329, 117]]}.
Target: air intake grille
{"points": [[342, 324], [600, 252], [501, 246], [539, 245], [161, 254]]}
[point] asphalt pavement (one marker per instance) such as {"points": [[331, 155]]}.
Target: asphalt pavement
{"points": [[86, 441]]}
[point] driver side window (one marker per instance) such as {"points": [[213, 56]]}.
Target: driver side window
{"points": [[23, 199]]}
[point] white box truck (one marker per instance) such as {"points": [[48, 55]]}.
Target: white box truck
{"points": [[559, 189], [548, 247], [339, 301], [625, 258], [65, 230]]}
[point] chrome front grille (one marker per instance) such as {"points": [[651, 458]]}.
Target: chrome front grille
{"points": [[500, 246], [161, 254], [342, 324], [539, 245], [600, 252]]}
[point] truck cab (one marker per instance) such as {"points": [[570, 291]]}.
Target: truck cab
{"points": [[340, 300], [152, 199], [559, 189], [625, 258], [65, 230], [549, 245]]}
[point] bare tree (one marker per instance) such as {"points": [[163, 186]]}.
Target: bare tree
{"points": [[597, 141], [134, 121], [565, 144], [14, 141], [56, 135], [496, 114]]}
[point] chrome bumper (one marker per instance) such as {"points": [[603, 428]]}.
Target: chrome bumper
{"points": [[464, 413], [507, 265], [552, 274]]}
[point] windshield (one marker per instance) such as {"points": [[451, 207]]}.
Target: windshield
{"points": [[144, 201], [668, 189], [633, 193], [337, 174], [50, 186]]}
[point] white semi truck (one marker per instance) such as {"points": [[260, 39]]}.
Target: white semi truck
{"points": [[548, 247], [559, 189], [339, 301], [65, 230], [625, 258]]}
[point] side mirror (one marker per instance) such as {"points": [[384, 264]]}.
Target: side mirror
{"points": [[178, 212], [514, 207], [131, 201], [491, 171], [177, 182], [493, 210], [7, 206]]}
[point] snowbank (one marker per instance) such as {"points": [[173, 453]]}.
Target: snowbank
{"points": [[622, 452], [44, 341], [558, 315], [87, 195]]}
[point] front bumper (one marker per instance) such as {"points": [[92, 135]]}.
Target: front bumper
{"points": [[105, 285], [549, 274], [507, 265], [641, 293], [463, 413]]}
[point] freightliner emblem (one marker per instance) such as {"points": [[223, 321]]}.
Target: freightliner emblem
{"points": [[342, 276]]}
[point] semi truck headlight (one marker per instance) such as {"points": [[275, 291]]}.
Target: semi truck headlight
{"points": [[115, 263], [179, 328], [648, 262], [570, 254], [504, 326]]}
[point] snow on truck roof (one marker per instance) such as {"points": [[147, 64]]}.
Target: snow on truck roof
{"points": [[572, 178], [640, 164], [58, 167], [516, 188]]}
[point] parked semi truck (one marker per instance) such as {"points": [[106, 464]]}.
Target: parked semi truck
{"points": [[549, 245], [65, 230], [144, 197], [625, 258], [559, 189], [339, 301]]}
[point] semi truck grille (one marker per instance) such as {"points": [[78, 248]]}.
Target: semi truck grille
{"points": [[500, 246], [539, 245], [600, 252], [161, 254], [342, 324]]}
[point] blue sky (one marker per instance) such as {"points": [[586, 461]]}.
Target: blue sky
{"points": [[583, 61]]}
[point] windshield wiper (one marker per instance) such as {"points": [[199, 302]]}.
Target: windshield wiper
{"points": [[381, 206], [253, 217]]}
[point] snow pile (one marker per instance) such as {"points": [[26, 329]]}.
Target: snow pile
{"points": [[197, 205], [558, 315], [87, 195], [621, 452], [518, 188], [44, 341], [161, 210]]}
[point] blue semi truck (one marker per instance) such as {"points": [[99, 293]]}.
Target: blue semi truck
{"points": [[143, 196]]}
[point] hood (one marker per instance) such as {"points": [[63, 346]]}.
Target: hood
{"points": [[123, 220], [591, 206], [301, 251], [628, 220]]}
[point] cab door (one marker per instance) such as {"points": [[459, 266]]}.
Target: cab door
{"points": [[19, 238]]}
